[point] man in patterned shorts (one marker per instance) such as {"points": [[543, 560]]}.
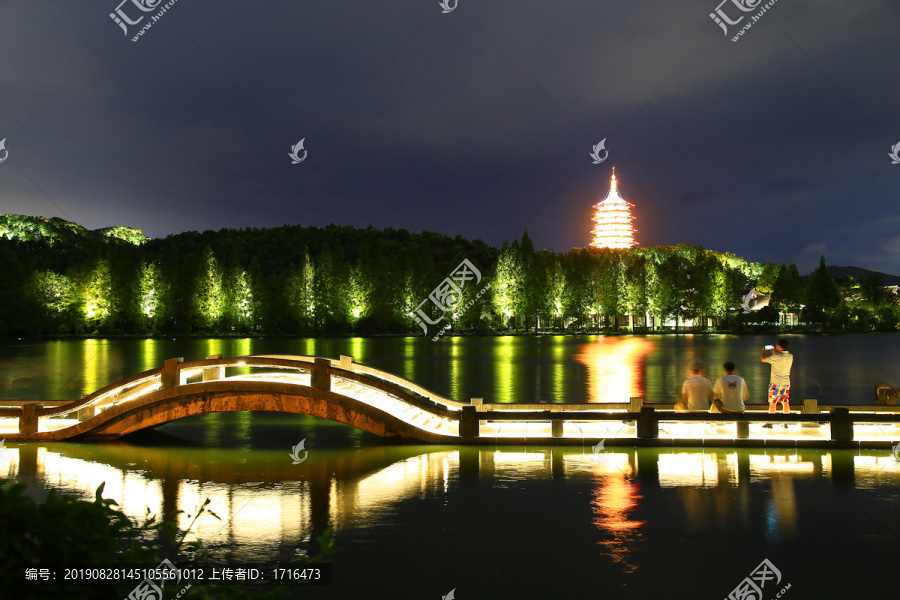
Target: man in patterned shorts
{"points": [[780, 380]]}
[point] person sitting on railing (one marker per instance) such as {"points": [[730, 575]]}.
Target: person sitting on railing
{"points": [[697, 391], [730, 391]]}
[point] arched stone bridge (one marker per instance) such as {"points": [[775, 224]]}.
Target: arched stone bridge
{"points": [[339, 390], [398, 409]]}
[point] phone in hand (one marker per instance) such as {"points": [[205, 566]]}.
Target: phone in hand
{"points": [[770, 347]]}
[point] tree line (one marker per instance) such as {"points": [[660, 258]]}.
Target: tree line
{"points": [[62, 279]]}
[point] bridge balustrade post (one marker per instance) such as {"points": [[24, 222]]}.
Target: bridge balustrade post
{"points": [[647, 424], [841, 425], [468, 423], [743, 429], [478, 403], [171, 373], [556, 428], [636, 404], [346, 363], [213, 373], [811, 406], [86, 412], [28, 421], [320, 379]]}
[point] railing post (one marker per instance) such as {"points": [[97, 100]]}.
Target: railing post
{"points": [[636, 404], [468, 423], [320, 379], [346, 363], [213, 373], [647, 424], [841, 425], [86, 412], [28, 422], [556, 428], [810, 406], [743, 429], [478, 403], [170, 373]]}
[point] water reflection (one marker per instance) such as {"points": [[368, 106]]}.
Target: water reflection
{"points": [[616, 367], [838, 369], [270, 507]]}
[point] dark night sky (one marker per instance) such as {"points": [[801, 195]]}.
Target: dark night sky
{"points": [[478, 122]]}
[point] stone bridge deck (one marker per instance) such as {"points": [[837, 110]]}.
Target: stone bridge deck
{"points": [[398, 409]]}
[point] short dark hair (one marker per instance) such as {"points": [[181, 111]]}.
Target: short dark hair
{"points": [[729, 366], [783, 343]]}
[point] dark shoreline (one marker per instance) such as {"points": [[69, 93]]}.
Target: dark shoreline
{"points": [[643, 332]]}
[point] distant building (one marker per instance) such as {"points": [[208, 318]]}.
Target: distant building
{"points": [[612, 220]]}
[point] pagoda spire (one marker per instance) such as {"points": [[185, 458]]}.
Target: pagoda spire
{"points": [[612, 220]]}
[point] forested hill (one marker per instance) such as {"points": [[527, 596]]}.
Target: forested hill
{"points": [[858, 273], [59, 231], [60, 278]]}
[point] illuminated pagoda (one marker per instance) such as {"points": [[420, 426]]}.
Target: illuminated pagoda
{"points": [[612, 221]]}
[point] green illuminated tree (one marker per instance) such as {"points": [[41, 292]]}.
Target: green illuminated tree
{"points": [[822, 294], [788, 291], [54, 298], [207, 299], [508, 282], [872, 289], [94, 295], [150, 294]]}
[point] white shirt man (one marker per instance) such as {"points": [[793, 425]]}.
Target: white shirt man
{"points": [[697, 391], [731, 389], [780, 379]]}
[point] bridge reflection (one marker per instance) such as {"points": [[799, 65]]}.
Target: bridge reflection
{"points": [[270, 507]]}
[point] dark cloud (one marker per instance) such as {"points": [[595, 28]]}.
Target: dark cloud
{"points": [[474, 123]]}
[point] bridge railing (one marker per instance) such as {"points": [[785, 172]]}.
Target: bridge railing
{"points": [[175, 372], [346, 363], [470, 415], [647, 421]]}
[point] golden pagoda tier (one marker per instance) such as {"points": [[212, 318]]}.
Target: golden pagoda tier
{"points": [[612, 220]]}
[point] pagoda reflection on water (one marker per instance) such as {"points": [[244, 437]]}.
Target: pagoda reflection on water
{"points": [[612, 220]]}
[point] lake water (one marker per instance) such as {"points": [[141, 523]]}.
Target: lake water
{"points": [[835, 369], [497, 522]]}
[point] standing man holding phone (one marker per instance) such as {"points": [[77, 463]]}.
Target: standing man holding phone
{"points": [[780, 379]]}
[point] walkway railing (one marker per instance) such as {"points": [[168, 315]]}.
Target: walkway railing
{"points": [[474, 421]]}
